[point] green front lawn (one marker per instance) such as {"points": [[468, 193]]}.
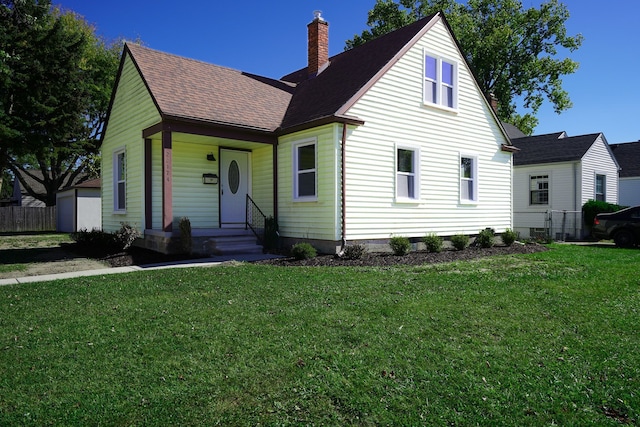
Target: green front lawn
{"points": [[523, 340]]}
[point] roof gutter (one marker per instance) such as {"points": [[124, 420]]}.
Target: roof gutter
{"points": [[320, 121], [343, 167]]}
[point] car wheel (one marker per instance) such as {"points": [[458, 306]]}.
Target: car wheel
{"points": [[624, 239]]}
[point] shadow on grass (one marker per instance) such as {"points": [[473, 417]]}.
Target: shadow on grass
{"points": [[31, 255]]}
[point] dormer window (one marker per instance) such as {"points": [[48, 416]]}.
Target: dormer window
{"points": [[440, 81]]}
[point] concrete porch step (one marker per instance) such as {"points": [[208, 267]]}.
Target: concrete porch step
{"points": [[242, 243]]}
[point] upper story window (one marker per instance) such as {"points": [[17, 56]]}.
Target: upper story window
{"points": [[468, 179], [440, 81], [119, 181], [539, 190], [305, 170], [407, 177], [601, 188]]}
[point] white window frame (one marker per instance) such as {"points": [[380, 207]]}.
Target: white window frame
{"points": [[415, 174], [474, 178], [536, 176], [119, 180], [440, 85], [604, 186], [297, 173]]}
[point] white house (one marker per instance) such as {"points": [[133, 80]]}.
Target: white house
{"points": [[628, 157], [390, 138], [553, 176]]}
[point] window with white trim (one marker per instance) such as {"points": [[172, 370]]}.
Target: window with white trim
{"points": [[539, 190], [440, 81], [601, 188], [305, 170], [468, 178], [407, 176], [119, 180]]}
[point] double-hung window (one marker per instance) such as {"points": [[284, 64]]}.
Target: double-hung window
{"points": [[539, 190], [305, 170], [601, 188], [119, 181], [440, 81], [407, 176], [468, 179]]}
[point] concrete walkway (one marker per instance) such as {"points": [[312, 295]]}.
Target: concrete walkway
{"points": [[202, 262]]}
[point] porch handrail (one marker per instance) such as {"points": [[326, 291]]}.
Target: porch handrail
{"points": [[255, 219]]}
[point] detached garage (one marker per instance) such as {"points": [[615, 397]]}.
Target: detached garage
{"points": [[79, 207]]}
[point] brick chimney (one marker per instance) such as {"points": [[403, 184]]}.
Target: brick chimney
{"points": [[318, 38], [493, 101]]}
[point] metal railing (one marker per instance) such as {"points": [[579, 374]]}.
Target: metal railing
{"points": [[256, 220]]}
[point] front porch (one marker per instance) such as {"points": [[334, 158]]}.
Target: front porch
{"points": [[211, 177]]}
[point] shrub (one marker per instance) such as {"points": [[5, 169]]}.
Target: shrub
{"points": [[185, 235], [400, 245], [460, 241], [354, 251], [509, 236], [486, 238], [303, 250], [94, 239], [270, 233], [125, 237], [433, 242], [594, 207]]}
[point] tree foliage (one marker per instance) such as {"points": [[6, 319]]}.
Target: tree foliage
{"points": [[512, 51], [56, 77]]}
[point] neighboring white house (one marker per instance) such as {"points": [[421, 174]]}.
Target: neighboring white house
{"points": [[628, 157], [79, 207], [391, 138], [553, 176]]}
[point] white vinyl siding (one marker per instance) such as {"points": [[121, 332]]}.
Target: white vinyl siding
{"points": [[393, 111], [598, 161], [132, 110], [629, 189], [319, 218]]}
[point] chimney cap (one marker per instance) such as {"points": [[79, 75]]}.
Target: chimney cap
{"points": [[317, 15]]}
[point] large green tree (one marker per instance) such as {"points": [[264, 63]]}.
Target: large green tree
{"points": [[513, 51], [56, 77]]}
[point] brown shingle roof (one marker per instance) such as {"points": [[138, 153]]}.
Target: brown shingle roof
{"points": [[190, 89]]}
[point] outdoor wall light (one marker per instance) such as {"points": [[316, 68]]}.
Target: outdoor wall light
{"points": [[210, 157], [209, 178]]}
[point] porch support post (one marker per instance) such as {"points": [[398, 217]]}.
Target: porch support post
{"points": [[148, 186], [274, 161], [167, 181]]}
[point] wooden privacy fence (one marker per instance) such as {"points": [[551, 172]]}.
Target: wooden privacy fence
{"points": [[18, 219]]}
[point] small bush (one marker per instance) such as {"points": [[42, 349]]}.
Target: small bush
{"points": [[271, 233], [400, 245], [185, 235], [125, 237], [433, 242], [594, 207], [460, 241], [94, 239], [303, 250], [486, 238], [354, 251], [509, 236]]}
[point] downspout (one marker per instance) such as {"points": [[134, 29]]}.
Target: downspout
{"points": [[343, 166], [575, 202]]}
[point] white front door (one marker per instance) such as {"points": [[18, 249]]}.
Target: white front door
{"points": [[234, 187]]}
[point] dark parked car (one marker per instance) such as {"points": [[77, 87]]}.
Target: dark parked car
{"points": [[622, 226]]}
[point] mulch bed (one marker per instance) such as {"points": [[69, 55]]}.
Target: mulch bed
{"points": [[413, 258], [140, 256]]}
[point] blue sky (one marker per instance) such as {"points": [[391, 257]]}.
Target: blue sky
{"points": [[270, 39]]}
